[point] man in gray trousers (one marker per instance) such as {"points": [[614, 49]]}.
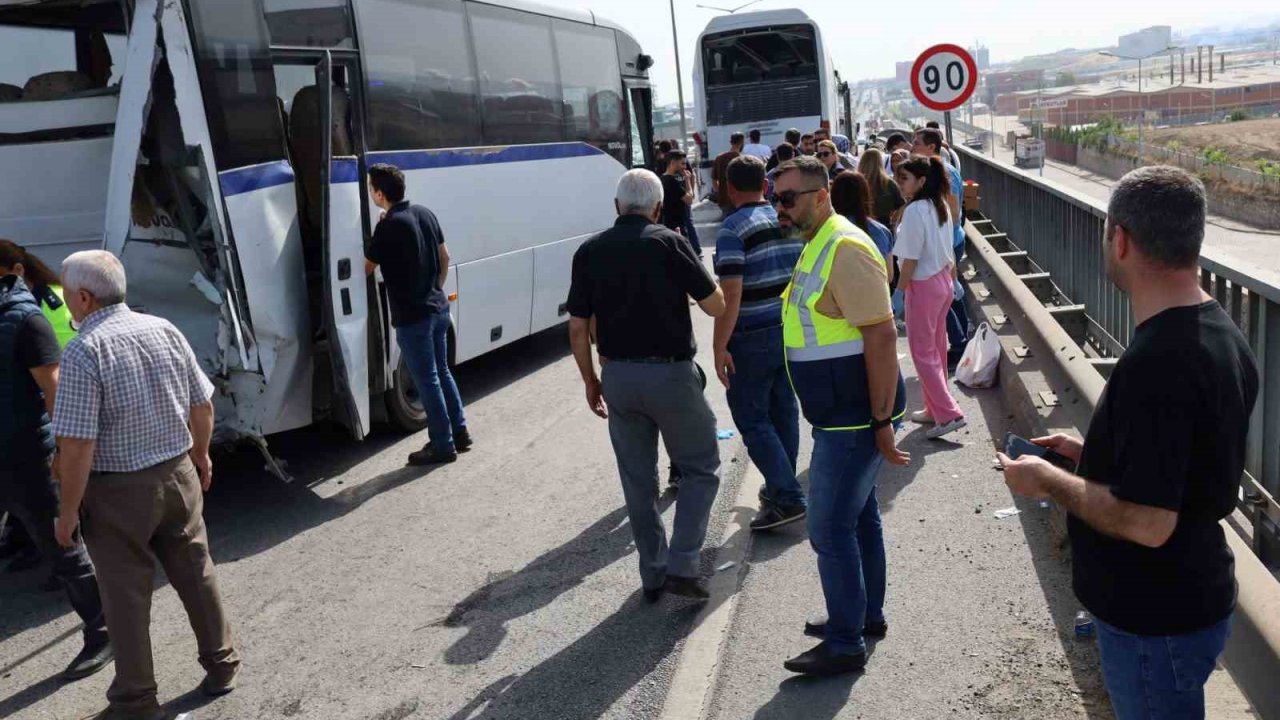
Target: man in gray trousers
{"points": [[635, 280]]}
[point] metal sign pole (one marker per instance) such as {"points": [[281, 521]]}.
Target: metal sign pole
{"points": [[946, 117]]}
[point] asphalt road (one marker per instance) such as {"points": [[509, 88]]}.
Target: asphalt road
{"points": [[502, 586]]}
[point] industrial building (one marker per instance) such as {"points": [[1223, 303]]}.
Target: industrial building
{"points": [[1255, 89]]}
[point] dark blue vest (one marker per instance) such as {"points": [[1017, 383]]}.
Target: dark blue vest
{"points": [[25, 430]]}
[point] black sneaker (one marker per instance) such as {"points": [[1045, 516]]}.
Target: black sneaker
{"points": [[653, 595], [822, 661], [428, 455], [772, 516], [674, 478], [462, 441], [818, 629], [90, 660]]}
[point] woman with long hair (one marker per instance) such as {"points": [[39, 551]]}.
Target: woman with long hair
{"points": [[924, 248], [851, 197], [886, 197], [42, 282]]}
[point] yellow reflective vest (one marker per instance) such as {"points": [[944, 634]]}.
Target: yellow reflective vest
{"points": [[824, 355]]}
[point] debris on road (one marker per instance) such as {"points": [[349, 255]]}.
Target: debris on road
{"points": [[724, 434], [1006, 512]]}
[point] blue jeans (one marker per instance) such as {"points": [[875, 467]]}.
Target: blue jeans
{"points": [[691, 232], [1159, 677], [846, 533], [425, 347], [764, 409]]}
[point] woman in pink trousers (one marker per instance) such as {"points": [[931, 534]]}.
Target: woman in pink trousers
{"points": [[923, 247]]}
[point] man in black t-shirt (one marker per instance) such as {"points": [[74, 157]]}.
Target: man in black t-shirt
{"points": [[29, 358], [1161, 463], [409, 246], [677, 192], [635, 280]]}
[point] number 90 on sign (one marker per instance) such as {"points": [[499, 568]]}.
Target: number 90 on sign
{"points": [[943, 77]]}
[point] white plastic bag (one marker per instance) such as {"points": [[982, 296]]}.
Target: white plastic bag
{"points": [[981, 359]]}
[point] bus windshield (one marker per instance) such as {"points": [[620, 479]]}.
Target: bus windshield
{"points": [[756, 54]]}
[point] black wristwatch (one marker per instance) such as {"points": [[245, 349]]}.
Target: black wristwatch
{"points": [[877, 424]]}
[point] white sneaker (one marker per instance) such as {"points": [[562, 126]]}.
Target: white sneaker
{"points": [[922, 417], [939, 430]]}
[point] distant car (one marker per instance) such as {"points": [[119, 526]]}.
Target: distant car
{"points": [[974, 144]]}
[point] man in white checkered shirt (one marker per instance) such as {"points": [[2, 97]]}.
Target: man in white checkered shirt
{"points": [[134, 418]]}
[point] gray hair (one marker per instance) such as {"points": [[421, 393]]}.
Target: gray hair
{"points": [[1163, 209], [639, 191], [98, 273]]}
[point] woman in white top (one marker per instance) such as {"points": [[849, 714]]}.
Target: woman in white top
{"points": [[924, 248]]}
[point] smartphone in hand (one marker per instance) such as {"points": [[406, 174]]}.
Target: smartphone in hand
{"points": [[1016, 446]]}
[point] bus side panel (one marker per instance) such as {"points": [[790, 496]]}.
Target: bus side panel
{"points": [[492, 201], [262, 206], [53, 195], [552, 268], [494, 299]]}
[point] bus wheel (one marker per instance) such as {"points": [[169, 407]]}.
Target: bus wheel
{"points": [[404, 407]]}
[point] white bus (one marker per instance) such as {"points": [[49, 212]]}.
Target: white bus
{"points": [[766, 71], [220, 148]]}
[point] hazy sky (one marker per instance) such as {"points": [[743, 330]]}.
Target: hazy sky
{"points": [[866, 42]]}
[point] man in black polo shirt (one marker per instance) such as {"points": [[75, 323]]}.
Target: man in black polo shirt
{"points": [[409, 246], [635, 280], [1161, 463]]}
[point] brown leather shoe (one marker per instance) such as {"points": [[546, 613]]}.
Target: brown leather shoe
{"points": [[219, 683]]}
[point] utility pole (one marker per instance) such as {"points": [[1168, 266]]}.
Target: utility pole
{"points": [[675, 45], [1142, 105]]}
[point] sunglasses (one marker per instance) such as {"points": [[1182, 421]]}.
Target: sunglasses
{"points": [[787, 198], [825, 154]]}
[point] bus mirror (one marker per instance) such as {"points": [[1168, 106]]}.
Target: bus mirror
{"points": [[644, 62]]}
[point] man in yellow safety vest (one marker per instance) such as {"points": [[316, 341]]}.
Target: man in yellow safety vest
{"points": [[841, 353]]}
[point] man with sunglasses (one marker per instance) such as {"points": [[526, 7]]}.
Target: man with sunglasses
{"points": [[841, 354]]}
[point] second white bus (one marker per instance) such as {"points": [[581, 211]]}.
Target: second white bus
{"points": [[766, 71]]}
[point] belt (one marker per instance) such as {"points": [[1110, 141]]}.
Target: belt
{"points": [[651, 360]]}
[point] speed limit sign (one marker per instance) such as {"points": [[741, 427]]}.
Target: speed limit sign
{"points": [[943, 77]]}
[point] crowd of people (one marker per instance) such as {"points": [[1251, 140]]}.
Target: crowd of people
{"points": [[108, 416], [812, 254]]}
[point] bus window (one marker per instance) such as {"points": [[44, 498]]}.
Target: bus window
{"points": [[422, 88], [517, 68], [761, 74], [51, 53], [235, 75], [310, 23], [592, 86], [760, 54]]}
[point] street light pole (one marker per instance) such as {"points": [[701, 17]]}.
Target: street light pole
{"points": [[675, 45], [1142, 111], [1142, 104]]}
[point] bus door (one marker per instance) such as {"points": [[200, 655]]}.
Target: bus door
{"points": [[344, 305], [640, 118]]}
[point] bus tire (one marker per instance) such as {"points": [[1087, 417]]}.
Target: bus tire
{"points": [[404, 408]]}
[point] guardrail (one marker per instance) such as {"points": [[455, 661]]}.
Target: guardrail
{"points": [[1060, 232]]}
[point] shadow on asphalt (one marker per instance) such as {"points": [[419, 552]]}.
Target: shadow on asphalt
{"points": [[249, 511], [486, 612], [585, 679]]}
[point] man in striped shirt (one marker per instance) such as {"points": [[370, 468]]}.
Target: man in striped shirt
{"points": [[754, 259]]}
